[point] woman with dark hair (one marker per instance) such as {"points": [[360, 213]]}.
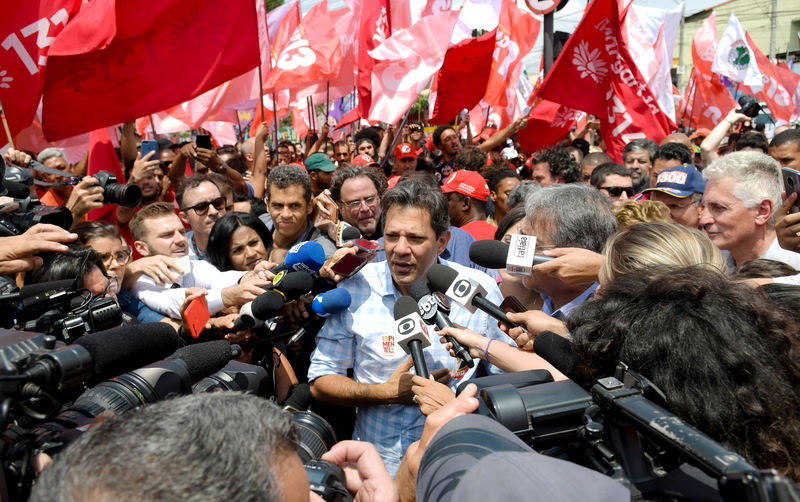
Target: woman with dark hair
{"points": [[726, 359], [238, 241]]}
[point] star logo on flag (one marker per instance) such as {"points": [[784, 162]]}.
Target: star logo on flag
{"points": [[589, 62]]}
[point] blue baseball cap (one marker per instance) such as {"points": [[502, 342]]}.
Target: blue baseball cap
{"points": [[679, 181]]}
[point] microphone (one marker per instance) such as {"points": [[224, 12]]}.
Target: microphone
{"points": [[322, 284], [411, 333], [292, 285], [465, 291], [308, 256], [104, 354], [253, 314], [331, 302], [517, 257], [203, 359], [43, 292], [558, 351], [435, 307], [299, 398], [346, 232]]}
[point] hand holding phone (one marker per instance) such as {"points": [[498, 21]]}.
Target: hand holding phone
{"points": [[791, 184], [197, 315], [203, 141], [348, 265]]}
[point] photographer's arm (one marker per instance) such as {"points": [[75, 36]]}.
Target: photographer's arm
{"points": [[708, 148], [18, 253]]}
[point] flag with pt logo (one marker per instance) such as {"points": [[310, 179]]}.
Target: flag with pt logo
{"points": [[735, 58]]}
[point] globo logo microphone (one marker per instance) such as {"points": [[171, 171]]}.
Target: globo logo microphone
{"points": [[461, 288], [406, 327]]}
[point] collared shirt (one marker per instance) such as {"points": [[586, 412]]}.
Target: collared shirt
{"points": [[566, 309], [773, 252], [312, 233], [362, 338], [194, 252], [168, 300]]}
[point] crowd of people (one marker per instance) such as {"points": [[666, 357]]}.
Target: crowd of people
{"points": [[682, 261]]}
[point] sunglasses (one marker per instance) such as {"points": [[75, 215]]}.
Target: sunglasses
{"points": [[201, 208], [617, 191], [414, 129]]}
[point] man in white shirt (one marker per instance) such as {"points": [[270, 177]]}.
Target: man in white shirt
{"points": [[157, 230]]}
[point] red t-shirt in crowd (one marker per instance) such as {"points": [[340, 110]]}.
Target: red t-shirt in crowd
{"points": [[480, 229]]}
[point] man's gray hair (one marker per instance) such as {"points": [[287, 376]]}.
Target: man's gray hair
{"points": [[196, 448], [415, 194], [641, 144], [576, 215], [49, 153], [287, 175], [757, 176], [520, 193]]}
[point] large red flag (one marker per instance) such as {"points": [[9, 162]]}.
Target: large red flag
{"points": [[516, 34], [773, 92], [375, 27], [312, 52], [709, 103], [461, 82], [704, 45], [162, 55], [102, 157], [28, 30], [595, 73]]}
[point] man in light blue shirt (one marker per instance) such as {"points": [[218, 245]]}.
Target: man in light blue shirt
{"points": [[416, 230]]}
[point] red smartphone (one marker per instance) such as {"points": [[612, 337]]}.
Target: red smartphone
{"points": [[367, 246], [348, 265], [511, 304], [196, 315]]}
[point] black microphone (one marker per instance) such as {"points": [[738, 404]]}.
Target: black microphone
{"points": [[104, 354], [298, 398], [411, 333], [490, 253], [203, 359], [346, 232], [435, 307], [559, 352], [43, 292], [465, 291], [253, 314], [292, 285]]}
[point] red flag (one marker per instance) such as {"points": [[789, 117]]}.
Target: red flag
{"points": [[548, 123], [375, 27], [773, 92], [27, 33], [596, 74], [711, 102], [516, 34], [704, 45], [311, 52], [461, 83], [102, 157], [162, 55]]}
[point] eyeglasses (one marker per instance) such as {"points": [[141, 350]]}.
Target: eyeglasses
{"points": [[354, 204], [415, 129], [122, 257], [617, 191], [201, 208]]}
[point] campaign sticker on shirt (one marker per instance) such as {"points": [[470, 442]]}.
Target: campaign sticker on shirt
{"points": [[388, 345], [462, 370]]}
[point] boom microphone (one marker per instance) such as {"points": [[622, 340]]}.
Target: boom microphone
{"points": [[435, 307], [308, 256], [558, 351], [411, 333], [203, 359], [465, 291], [44, 292], [331, 302], [493, 254], [104, 354]]}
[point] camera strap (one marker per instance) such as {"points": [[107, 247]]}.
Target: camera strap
{"points": [[36, 166]]}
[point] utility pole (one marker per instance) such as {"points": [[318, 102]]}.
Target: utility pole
{"points": [[772, 29]]}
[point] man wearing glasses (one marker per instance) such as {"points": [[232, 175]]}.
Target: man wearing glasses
{"points": [[614, 180], [357, 190], [681, 189], [201, 205]]}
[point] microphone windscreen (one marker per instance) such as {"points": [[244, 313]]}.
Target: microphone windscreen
{"points": [[331, 302], [295, 284], [419, 289], [489, 253], [30, 290], [16, 190], [556, 350], [441, 277], [405, 305], [309, 257], [267, 305], [203, 359], [126, 348], [322, 284], [299, 397], [350, 233]]}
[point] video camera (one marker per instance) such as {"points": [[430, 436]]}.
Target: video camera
{"points": [[618, 430]]}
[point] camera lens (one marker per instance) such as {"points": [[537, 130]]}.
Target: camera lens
{"points": [[123, 195], [316, 435]]}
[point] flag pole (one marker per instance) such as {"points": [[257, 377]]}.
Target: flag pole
{"points": [[694, 99], [327, 99], [308, 108], [274, 119], [152, 126], [394, 140], [239, 134], [261, 90], [5, 126]]}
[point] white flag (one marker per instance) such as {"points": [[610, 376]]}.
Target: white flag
{"points": [[735, 58]]}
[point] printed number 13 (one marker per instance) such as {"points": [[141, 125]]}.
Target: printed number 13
{"points": [[42, 27]]}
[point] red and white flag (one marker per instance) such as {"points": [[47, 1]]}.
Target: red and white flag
{"points": [[773, 89], [170, 41], [704, 45], [375, 27], [516, 34], [311, 52], [548, 124], [595, 73], [405, 13], [709, 102], [406, 61]]}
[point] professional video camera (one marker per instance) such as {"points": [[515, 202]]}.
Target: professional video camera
{"points": [[30, 210], [617, 429]]}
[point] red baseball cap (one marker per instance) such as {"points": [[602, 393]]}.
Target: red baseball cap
{"points": [[404, 151], [363, 160], [469, 183]]}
